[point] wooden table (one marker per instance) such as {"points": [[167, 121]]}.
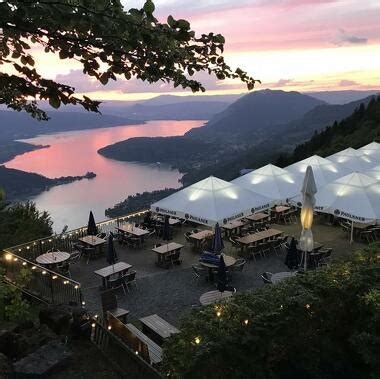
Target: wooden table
{"points": [[117, 268], [257, 217], [172, 221], [133, 230], [163, 250], [200, 236], [157, 328], [92, 241], [233, 227], [259, 236], [228, 261], [212, 297], [279, 276], [280, 209], [52, 257]]}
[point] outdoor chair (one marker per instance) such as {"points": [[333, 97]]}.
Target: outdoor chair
{"points": [[175, 258], [116, 283], [238, 265], [88, 252], [187, 236], [101, 235], [265, 248], [109, 304], [326, 253], [157, 245], [129, 279], [198, 271], [266, 277], [254, 250], [151, 233], [368, 236], [64, 268]]}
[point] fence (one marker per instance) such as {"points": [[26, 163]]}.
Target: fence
{"points": [[47, 285], [120, 354]]}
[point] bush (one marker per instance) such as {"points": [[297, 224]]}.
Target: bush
{"points": [[323, 324]]}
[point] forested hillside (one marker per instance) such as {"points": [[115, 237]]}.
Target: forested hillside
{"points": [[361, 128]]}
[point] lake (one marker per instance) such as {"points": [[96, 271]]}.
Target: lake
{"points": [[75, 153]]}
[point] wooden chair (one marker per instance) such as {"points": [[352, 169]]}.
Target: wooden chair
{"points": [[109, 303], [238, 265], [116, 283], [128, 279], [198, 271]]}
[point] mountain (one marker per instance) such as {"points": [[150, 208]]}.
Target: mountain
{"points": [[190, 110], [342, 97], [360, 127], [173, 99], [257, 112], [19, 125]]}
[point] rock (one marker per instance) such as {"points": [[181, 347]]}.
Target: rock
{"points": [[43, 360], [6, 369], [26, 325], [56, 318]]}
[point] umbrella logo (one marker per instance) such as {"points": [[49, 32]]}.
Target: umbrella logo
{"points": [[337, 212]]}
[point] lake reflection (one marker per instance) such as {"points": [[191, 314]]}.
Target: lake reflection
{"points": [[75, 153]]}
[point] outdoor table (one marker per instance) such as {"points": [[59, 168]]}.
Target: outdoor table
{"points": [[172, 221], [93, 241], [164, 250], [52, 258], [157, 328], [257, 217], [106, 272], [133, 230], [233, 227], [280, 208], [259, 236], [212, 297], [279, 276], [228, 261], [200, 236]]}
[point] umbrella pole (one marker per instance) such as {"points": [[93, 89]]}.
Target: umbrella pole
{"points": [[352, 232], [305, 260]]}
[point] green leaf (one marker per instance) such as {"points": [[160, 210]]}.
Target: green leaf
{"points": [[149, 7], [183, 24], [171, 21], [103, 78]]}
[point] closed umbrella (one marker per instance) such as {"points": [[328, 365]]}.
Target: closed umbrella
{"points": [[111, 252], [222, 275], [92, 230], [166, 230], [308, 191], [217, 242]]}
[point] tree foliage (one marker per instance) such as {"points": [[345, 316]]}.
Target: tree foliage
{"points": [[108, 41], [22, 222], [323, 324]]}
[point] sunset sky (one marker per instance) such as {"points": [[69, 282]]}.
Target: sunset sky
{"points": [[303, 45]]}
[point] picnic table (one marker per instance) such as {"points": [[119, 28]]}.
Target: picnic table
{"points": [[279, 276], [212, 297], [164, 250], [200, 236], [52, 257], [280, 208], [157, 328], [233, 227], [259, 236], [106, 272]]}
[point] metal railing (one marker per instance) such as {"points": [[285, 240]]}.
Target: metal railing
{"points": [[47, 285]]}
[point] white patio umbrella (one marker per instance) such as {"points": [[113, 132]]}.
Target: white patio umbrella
{"points": [[308, 191], [324, 170], [354, 160], [374, 173], [212, 201], [372, 150], [355, 197], [270, 181]]}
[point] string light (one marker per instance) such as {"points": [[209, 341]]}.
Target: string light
{"points": [[246, 322], [44, 272], [307, 306], [54, 277], [197, 340], [218, 313], [136, 352], [76, 286], [24, 263], [34, 267], [93, 325], [109, 327], [83, 303]]}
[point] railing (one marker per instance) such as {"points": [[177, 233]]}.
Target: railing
{"points": [[123, 357], [45, 284]]}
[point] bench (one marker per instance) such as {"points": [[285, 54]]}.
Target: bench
{"points": [[155, 351], [157, 328]]}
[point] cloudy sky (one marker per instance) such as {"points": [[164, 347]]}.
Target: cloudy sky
{"points": [[303, 45]]}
